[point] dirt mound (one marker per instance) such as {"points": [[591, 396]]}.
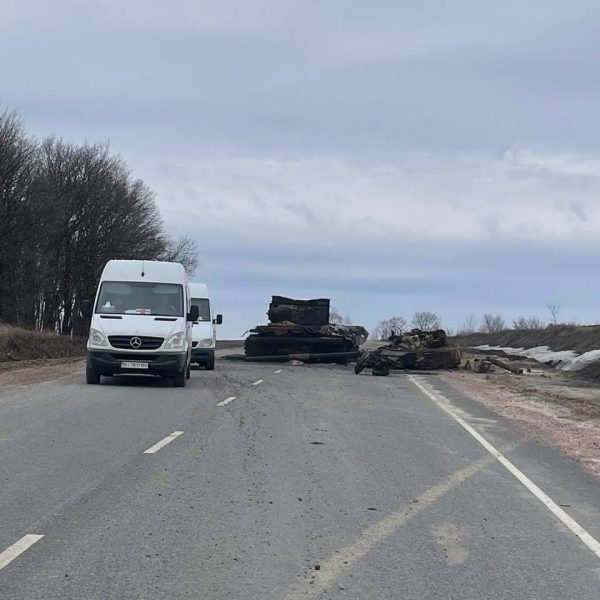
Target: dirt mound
{"points": [[557, 337], [18, 344]]}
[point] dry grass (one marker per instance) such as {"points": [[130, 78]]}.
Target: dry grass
{"points": [[18, 344]]}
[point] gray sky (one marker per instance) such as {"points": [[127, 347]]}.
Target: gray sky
{"points": [[391, 155]]}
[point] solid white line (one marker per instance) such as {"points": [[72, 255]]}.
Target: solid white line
{"points": [[18, 548], [575, 527], [163, 442], [278, 371], [226, 401], [258, 382]]}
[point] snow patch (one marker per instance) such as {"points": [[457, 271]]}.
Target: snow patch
{"points": [[565, 360]]}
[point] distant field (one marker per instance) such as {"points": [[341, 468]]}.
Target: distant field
{"points": [[226, 344]]}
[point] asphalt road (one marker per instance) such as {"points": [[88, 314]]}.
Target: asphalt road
{"points": [[312, 483]]}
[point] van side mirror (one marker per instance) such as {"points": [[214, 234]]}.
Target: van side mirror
{"points": [[85, 309], [194, 313], [218, 320]]}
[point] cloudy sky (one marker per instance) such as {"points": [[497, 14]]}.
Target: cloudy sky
{"points": [[392, 155]]}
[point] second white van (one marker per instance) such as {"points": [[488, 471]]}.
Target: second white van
{"points": [[204, 333]]}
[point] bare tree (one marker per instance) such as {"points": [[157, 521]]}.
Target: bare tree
{"points": [[388, 327], [554, 312], [426, 320], [469, 325], [65, 210], [94, 211], [183, 250], [336, 318], [528, 323], [19, 227], [492, 323]]}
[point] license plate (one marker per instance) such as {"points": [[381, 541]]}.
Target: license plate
{"points": [[134, 365]]}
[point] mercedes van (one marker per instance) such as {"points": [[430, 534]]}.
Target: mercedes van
{"points": [[140, 321], [204, 332]]}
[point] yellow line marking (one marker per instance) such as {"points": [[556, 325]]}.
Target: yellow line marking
{"points": [[556, 510], [370, 537]]}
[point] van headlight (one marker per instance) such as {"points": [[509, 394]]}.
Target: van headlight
{"points": [[175, 341], [97, 338], [207, 343]]}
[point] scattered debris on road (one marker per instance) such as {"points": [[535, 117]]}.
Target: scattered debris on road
{"points": [[485, 365], [414, 350], [300, 330]]}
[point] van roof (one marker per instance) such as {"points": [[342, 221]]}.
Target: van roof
{"points": [[198, 290], [153, 270]]}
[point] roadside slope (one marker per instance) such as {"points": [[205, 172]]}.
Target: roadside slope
{"points": [[579, 338], [17, 344]]}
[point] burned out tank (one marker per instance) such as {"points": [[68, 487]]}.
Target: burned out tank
{"points": [[302, 327], [416, 349]]}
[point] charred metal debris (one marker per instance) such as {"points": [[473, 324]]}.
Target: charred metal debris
{"points": [[300, 330], [415, 350]]}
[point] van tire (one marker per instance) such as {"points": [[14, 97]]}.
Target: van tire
{"points": [[92, 377], [179, 379], [210, 363]]}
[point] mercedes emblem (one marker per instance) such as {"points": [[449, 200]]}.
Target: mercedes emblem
{"points": [[135, 343]]}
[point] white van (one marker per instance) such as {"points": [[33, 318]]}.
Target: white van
{"points": [[140, 321], [204, 333]]}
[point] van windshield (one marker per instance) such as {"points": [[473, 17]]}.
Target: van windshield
{"points": [[203, 308], [133, 298]]}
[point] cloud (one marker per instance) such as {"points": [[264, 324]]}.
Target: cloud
{"points": [[323, 201], [565, 164], [414, 155]]}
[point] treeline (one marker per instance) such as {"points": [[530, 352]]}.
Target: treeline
{"points": [[489, 323], [421, 319], [66, 209]]}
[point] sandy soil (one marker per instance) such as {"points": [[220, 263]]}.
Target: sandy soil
{"points": [[557, 407], [29, 372]]}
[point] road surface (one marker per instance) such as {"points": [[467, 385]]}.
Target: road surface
{"points": [[264, 482]]}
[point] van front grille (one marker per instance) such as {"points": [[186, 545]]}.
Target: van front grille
{"points": [[134, 357], [135, 342]]}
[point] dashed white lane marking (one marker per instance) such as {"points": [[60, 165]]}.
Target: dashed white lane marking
{"points": [[575, 527], [18, 548], [278, 371], [226, 401], [258, 382], [163, 442]]}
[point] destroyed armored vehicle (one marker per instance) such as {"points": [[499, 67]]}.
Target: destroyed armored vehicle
{"points": [[301, 327], [415, 350]]}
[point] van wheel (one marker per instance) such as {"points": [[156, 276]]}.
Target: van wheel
{"points": [[91, 376], [210, 363], [179, 379]]}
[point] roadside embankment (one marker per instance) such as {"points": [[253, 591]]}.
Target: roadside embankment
{"points": [[18, 344], [567, 347], [556, 399], [579, 338]]}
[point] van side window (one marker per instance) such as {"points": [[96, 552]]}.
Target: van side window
{"points": [[203, 308]]}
